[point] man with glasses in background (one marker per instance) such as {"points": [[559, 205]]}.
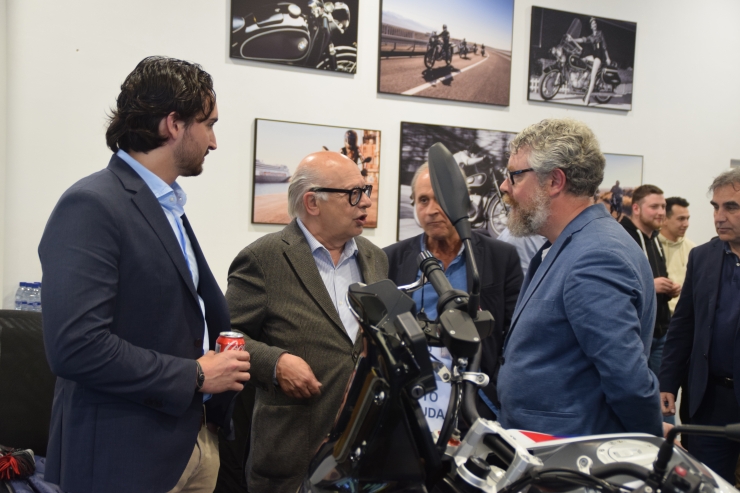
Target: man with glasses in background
{"points": [[287, 293], [575, 357]]}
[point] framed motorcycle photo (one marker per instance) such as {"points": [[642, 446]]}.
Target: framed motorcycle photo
{"points": [[482, 156], [581, 60], [460, 51], [305, 33], [280, 146], [623, 173]]}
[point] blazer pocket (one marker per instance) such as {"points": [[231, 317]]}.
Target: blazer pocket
{"points": [[280, 441]]}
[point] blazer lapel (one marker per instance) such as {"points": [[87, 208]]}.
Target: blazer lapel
{"points": [[150, 208], [366, 264], [530, 285], [408, 268], [300, 257]]}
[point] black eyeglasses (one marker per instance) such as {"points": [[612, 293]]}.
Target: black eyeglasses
{"points": [[355, 194], [511, 174]]}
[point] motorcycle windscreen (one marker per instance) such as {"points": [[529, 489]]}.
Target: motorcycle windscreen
{"points": [[380, 436], [575, 28]]}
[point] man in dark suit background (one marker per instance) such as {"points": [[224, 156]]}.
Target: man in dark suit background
{"points": [[131, 309], [498, 265], [703, 338], [287, 292]]}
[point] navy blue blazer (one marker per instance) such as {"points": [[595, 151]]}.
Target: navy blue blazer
{"points": [[501, 277], [122, 328], [686, 349], [575, 358]]}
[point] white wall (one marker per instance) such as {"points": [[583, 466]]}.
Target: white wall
{"points": [[66, 60], [3, 131]]}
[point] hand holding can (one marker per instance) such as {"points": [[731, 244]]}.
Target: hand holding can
{"points": [[230, 341]]}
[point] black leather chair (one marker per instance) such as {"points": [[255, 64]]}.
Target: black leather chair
{"points": [[26, 382]]}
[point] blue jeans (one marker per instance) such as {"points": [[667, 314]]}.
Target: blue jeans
{"points": [[656, 356]]}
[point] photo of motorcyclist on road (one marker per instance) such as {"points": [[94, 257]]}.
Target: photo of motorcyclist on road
{"points": [[419, 41], [615, 204], [464, 47], [444, 36], [593, 53]]}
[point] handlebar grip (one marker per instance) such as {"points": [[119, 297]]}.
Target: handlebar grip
{"points": [[429, 265]]}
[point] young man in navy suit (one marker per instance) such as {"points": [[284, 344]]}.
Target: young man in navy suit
{"points": [[131, 308]]}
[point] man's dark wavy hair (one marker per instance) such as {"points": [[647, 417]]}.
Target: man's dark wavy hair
{"points": [[157, 87]]}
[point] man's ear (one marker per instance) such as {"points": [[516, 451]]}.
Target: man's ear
{"points": [[557, 181], [171, 126], [311, 203]]}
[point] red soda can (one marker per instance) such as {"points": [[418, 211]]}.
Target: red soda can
{"points": [[230, 341]]}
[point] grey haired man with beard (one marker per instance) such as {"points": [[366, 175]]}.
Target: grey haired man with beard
{"points": [[575, 357]]}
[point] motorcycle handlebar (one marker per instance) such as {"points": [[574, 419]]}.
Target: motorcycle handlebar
{"points": [[448, 297]]}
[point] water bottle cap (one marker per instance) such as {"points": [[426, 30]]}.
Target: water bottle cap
{"points": [[36, 284]]}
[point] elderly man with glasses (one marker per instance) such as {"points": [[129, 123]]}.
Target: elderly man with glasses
{"points": [[287, 293], [575, 357]]}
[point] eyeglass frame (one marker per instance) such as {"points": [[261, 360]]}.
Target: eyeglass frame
{"points": [[511, 174], [367, 190]]}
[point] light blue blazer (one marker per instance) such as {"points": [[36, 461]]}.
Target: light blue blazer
{"points": [[575, 358]]}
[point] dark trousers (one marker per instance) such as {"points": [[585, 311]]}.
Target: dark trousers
{"points": [[719, 407]]}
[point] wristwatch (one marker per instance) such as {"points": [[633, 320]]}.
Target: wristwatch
{"points": [[201, 377]]}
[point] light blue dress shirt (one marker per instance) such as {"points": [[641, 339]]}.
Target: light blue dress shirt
{"points": [[337, 278], [172, 199], [426, 299]]}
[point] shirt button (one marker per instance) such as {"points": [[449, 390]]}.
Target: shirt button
{"points": [[172, 199]]}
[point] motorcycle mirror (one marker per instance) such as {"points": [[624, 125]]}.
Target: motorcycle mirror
{"points": [[367, 160], [449, 188]]}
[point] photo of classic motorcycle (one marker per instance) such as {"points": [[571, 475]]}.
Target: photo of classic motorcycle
{"points": [[581, 60], [568, 70], [487, 208], [436, 52], [310, 33], [481, 156]]}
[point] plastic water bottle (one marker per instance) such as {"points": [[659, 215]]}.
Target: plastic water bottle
{"points": [[25, 307], [20, 295], [34, 297]]}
